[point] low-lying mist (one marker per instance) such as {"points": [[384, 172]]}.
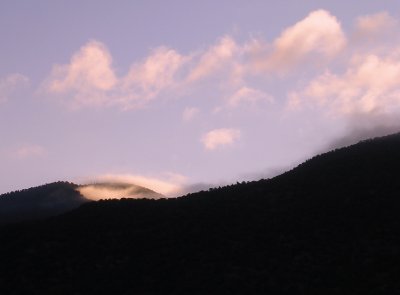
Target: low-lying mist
{"points": [[115, 190]]}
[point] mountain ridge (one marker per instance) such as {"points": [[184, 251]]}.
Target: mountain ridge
{"points": [[330, 225], [40, 201], [55, 198]]}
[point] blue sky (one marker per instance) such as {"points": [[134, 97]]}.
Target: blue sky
{"points": [[173, 94]]}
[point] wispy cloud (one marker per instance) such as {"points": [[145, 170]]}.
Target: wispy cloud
{"points": [[220, 137], [217, 57], [248, 96], [29, 151], [364, 126], [374, 26], [157, 73], [190, 113], [10, 84]]}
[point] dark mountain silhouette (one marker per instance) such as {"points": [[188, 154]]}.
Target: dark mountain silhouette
{"points": [[329, 226], [40, 202], [59, 197]]}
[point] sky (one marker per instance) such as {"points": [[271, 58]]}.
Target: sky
{"points": [[181, 95]]}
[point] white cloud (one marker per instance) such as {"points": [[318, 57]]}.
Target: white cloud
{"points": [[318, 35], [190, 113], [168, 184], [214, 59], [10, 84], [90, 79], [29, 151], [374, 25], [89, 68], [156, 73], [246, 95], [220, 137], [370, 84]]}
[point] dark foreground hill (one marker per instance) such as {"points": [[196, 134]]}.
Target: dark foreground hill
{"points": [[329, 226]]}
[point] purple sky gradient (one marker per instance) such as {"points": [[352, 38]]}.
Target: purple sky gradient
{"points": [[169, 94]]}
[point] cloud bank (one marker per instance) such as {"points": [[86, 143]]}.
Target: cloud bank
{"points": [[322, 66]]}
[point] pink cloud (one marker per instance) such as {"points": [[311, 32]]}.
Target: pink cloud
{"points": [[214, 59], [89, 68], [156, 73], [29, 151], [248, 96], [370, 84], [90, 79], [319, 35], [374, 25], [189, 113], [220, 137]]}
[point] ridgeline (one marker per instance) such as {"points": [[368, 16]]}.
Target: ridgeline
{"points": [[329, 226]]}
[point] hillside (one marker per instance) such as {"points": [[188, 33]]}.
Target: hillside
{"points": [[329, 226], [59, 197], [40, 202]]}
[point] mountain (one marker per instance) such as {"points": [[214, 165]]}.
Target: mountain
{"points": [[40, 202], [329, 226], [59, 197]]}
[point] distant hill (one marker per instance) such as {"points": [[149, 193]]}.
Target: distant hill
{"points": [[329, 226], [59, 197], [40, 202]]}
